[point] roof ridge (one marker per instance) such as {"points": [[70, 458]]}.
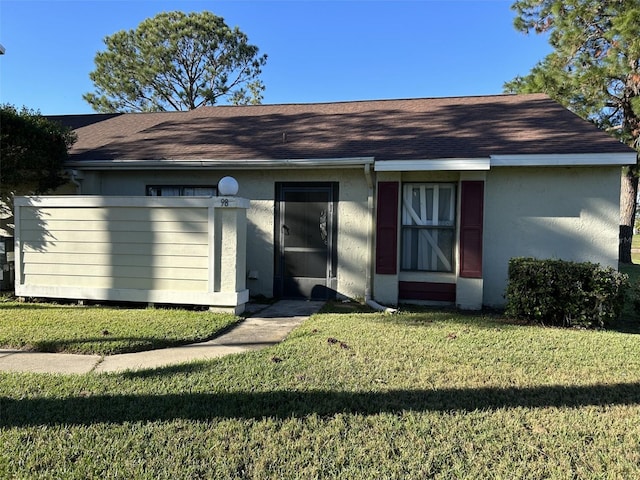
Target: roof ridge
{"points": [[195, 111], [380, 100]]}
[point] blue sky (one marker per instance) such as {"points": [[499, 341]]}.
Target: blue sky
{"points": [[318, 51]]}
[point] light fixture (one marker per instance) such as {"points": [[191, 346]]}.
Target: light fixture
{"points": [[227, 187]]}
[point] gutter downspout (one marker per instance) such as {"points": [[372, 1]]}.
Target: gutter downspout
{"points": [[368, 275], [75, 177]]}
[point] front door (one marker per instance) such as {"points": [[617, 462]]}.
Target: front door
{"points": [[305, 237]]}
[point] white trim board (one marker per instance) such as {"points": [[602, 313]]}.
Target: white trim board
{"points": [[529, 160], [564, 160], [426, 164], [456, 164], [220, 299], [215, 164]]}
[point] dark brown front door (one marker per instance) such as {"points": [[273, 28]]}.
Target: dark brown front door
{"points": [[305, 240]]}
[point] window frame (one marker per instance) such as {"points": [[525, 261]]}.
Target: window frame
{"points": [[149, 188], [411, 220]]}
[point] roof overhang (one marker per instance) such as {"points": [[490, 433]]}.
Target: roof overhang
{"points": [[439, 164], [564, 160], [530, 160], [218, 164]]}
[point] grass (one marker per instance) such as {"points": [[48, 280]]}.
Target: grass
{"points": [[46, 327], [351, 395], [635, 244]]}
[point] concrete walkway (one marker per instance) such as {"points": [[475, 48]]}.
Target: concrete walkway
{"points": [[269, 326]]}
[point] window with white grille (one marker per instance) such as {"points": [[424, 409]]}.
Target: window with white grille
{"points": [[428, 227]]}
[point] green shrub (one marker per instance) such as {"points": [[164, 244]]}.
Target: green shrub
{"points": [[562, 293], [634, 295]]}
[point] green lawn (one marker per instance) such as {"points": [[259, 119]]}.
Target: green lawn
{"points": [[635, 244], [352, 395], [104, 331]]}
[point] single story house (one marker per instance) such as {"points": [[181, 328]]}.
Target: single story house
{"points": [[416, 200]]}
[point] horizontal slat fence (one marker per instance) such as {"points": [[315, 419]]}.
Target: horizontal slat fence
{"points": [[142, 249]]}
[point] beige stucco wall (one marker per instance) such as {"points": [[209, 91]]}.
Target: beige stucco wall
{"points": [[259, 188], [548, 212], [544, 212]]}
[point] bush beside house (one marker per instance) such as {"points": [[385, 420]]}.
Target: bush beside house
{"points": [[562, 293]]}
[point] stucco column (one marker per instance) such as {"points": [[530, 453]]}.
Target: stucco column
{"points": [[230, 237], [385, 278], [228, 252], [232, 240], [470, 281]]}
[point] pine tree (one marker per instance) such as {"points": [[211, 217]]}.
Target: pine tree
{"points": [[176, 61], [594, 70]]}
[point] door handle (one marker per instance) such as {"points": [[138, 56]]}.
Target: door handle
{"points": [[285, 229], [323, 226]]}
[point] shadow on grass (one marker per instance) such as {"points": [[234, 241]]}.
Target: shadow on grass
{"points": [[287, 404], [113, 344], [31, 306], [110, 345]]}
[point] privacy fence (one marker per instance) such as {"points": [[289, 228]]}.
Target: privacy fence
{"points": [[171, 250]]}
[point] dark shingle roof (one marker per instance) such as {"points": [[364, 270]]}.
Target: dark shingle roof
{"points": [[79, 121], [430, 128]]}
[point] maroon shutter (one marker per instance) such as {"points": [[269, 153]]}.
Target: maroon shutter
{"points": [[472, 207], [386, 228]]}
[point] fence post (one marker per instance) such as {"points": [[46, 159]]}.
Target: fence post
{"points": [[232, 228]]}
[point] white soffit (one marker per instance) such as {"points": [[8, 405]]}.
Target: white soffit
{"points": [[563, 160], [438, 164]]}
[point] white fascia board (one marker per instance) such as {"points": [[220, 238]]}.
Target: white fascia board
{"points": [[436, 164], [564, 160], [220, 164]]}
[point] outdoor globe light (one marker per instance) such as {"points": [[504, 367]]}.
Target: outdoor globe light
{"points": [[227, 187]]}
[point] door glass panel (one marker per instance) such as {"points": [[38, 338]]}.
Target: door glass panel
{"points": [[305, 220]]}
